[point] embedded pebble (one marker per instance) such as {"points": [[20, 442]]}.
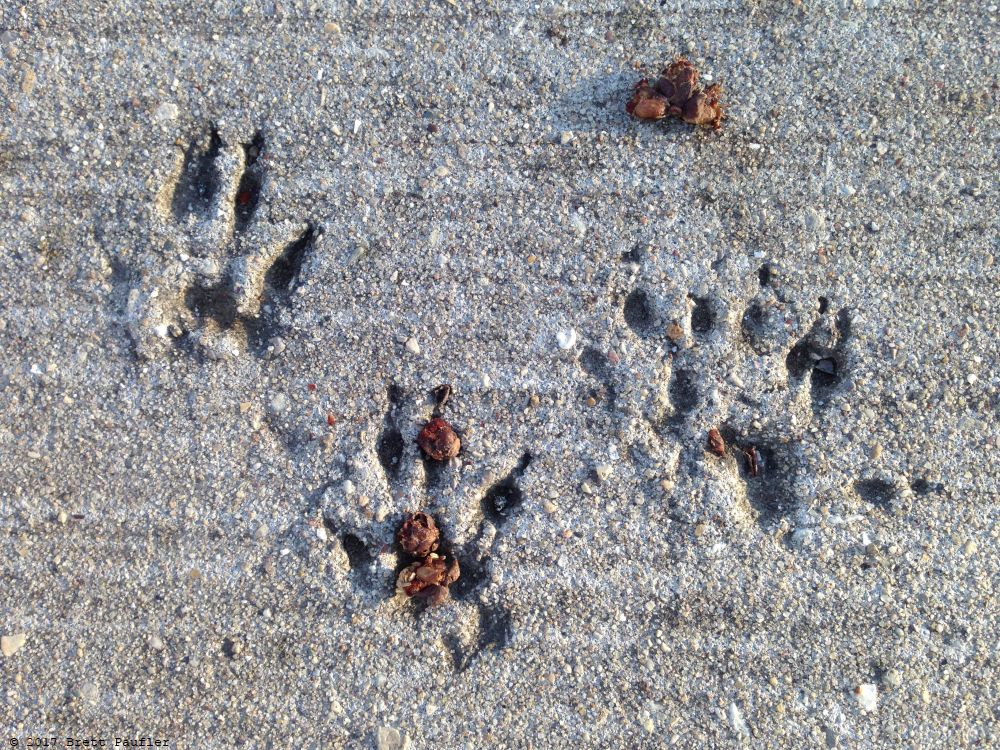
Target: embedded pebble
{"points": [[89, 692], [566, 339], [28, 81], [278, 404], [389, 738], [866, 695], [736, 720], [10, 644], [166, 111]]}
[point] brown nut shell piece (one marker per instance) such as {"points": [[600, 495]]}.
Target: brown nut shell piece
{"points": [[678, 81], [703, 108], [434, 595], [418, 536], [716, 444], [433, 572], [646, 104], [438, 440]]}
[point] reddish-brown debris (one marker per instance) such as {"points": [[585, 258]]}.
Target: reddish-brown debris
{"points": [[438, 440], [677, 93], [646, 104], [429, 579], [753, 462], [715, 442], [418, 536], [441, 395]]}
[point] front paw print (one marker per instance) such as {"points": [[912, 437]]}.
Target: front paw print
{"points": [[222, 278]]}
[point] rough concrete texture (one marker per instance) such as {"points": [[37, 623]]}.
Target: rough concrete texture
{"points": [[241, 244]]}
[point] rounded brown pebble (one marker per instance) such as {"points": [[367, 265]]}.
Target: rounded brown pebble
{"points": [[646, 104], [438, 440]]}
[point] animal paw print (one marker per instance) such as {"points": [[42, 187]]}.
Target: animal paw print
{"points": [[473, 507], [766, 434], [221, 282], [743, 370]]}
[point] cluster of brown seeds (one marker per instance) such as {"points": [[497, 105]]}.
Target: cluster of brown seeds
{"points": [[676, 93], [428, 577]]}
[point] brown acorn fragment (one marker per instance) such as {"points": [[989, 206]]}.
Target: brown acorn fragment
{"points": [[429, 578], [678, 81], [703, 108], [418, 536], [716, 444], [646, 104], [441, 395], [438, 440]]}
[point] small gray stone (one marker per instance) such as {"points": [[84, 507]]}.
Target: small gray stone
{"points": [[28, 81], [390, 738], [566, 339], [279, 402], [165, 112], [10, 644], [89, 692]]}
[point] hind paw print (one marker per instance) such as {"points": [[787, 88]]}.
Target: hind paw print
{"points": [[221, 282]]}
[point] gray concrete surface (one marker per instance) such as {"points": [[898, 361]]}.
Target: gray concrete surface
{"points": [[452, 192]]}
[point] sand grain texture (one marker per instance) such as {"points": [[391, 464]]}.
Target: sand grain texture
{"points": [[242, 243]]}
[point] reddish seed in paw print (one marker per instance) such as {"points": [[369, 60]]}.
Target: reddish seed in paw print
{"points": [[438, 440], [716, 444], [418, 536]]}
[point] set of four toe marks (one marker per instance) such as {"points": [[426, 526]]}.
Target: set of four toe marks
{"points": [[819, 358], [797, 362], [219, 278]]}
